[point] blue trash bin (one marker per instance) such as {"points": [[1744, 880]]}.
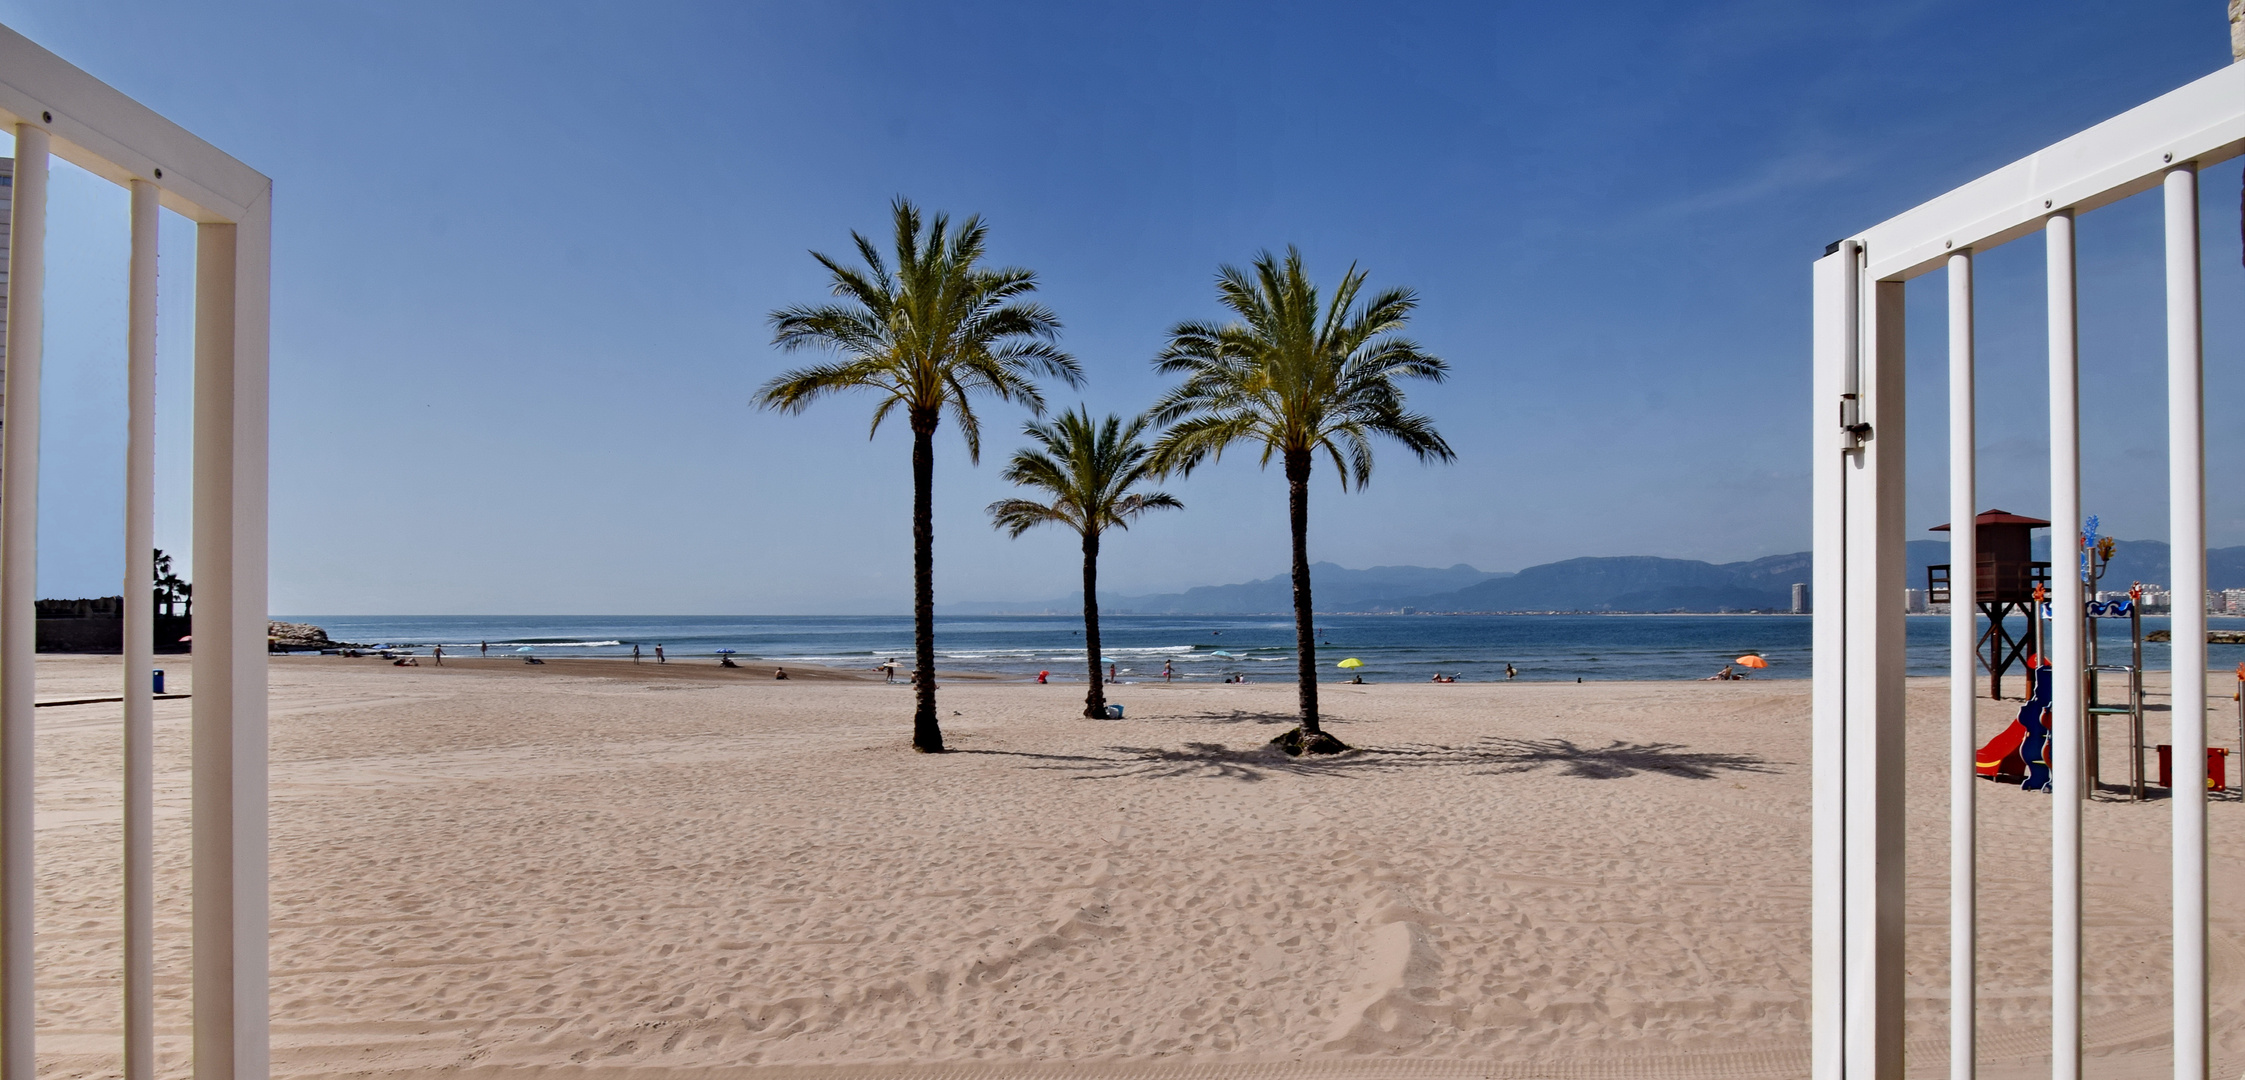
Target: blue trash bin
{"points": [[159, 680], [1114, 712]]}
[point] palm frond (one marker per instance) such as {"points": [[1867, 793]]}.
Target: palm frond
{"points": [[1294, 372], [926, 326], [1017, 516], [1088, 469]]}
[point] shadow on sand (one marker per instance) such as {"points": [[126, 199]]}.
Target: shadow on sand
{"points": [[1491, 756], [1242, 716]]}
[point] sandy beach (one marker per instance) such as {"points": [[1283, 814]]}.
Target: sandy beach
{"points": [[594, 869]]}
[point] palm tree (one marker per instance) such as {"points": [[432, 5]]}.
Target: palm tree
{"points": [[1089, 468], [1295, 378], [170, 587], [926, 337]]}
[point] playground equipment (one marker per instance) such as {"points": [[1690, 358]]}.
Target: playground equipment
{"points": [[2096, 707], [2023, 749], [2006, 581]]}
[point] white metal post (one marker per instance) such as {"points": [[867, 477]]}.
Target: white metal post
{"points": [[1857, 796], [1874, 653], [140, 644], [2186, 535], [1836, 340], [230, 888], [19, 590], [2067, 613], [1964, 585]]}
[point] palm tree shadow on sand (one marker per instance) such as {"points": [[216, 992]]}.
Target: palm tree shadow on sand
{"points": [[1243, 716], [1491, 756], [1618, 759]]}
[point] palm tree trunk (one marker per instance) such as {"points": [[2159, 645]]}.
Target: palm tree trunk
{"points": [[927, 735], [1305, 630], [1095, 702]]}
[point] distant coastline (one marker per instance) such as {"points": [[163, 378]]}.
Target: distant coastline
{"points": [[1590, 585]]}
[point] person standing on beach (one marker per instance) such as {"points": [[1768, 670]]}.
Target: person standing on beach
{"points": [[634, 652], [438, 654], [659, 653], [1166, 672], [483, 648]]}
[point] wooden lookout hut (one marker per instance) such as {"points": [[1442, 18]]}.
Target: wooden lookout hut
{"points": [[2007, 579]]}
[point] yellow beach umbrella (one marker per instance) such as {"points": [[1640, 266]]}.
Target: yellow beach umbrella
{"points": [[1351, 662]]}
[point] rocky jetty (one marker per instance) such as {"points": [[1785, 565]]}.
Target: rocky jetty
{"points": [[295, 636], [2213, 637]]}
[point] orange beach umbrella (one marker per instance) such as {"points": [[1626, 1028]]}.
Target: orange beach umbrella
{"points": [[1752, 661]]}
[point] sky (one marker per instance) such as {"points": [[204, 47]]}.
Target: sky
{"points": [[524, 256]]}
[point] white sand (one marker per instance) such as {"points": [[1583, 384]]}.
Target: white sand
{"points": [[682, 872]]}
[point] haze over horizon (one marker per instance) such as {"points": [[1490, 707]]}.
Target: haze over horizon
{"points": [[524, 255]]}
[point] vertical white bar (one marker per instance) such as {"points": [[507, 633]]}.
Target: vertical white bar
{"points": [[140, 644], [2067, 612], [19, 590], [1964, 584], [2186, 534], [230, 890], [1836, 338], [1873, 654]]}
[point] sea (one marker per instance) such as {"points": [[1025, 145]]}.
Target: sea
{"points": [[1391, 648]]}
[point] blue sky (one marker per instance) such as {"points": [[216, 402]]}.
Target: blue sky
{"points": [[524, 253]]}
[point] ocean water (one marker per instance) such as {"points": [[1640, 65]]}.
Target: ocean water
{"points": [[1394, 648]]}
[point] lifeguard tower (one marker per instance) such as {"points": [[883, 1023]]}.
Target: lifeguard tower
{"points": [[2007, 581]]}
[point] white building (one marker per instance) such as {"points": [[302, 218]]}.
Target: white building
{"points": [[1800, 598]]}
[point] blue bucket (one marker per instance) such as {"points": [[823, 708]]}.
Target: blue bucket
{"points": [[1114, 712]]}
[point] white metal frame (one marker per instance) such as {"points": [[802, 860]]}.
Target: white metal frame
{"points": [[54, 108], [1858, 483]]}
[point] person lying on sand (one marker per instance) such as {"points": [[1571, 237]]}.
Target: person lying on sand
{"points": [[1725, 675], [405, 661]]}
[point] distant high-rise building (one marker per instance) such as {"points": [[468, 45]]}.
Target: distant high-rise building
{"points": [[1800, 598], [1913, 601]]}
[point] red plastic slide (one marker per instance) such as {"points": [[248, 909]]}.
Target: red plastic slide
{"points": [[2001, 756], [2006, 755]]}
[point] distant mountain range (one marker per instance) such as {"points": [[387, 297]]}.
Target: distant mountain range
{"points": [[1599, 584], [1336, 588]]}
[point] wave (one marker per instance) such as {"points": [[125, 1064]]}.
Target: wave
{"points": [[534, 643]]}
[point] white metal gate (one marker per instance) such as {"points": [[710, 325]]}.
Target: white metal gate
{"points": [[56, 109], [1859, 456]]}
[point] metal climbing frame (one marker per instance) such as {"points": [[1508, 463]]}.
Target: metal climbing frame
{"points": [[2096, 707], [1858, 502]]}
